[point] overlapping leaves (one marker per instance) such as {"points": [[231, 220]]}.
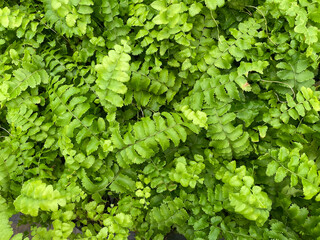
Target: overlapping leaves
{"points": [[147, 116]]}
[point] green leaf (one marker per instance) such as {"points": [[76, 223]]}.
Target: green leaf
{"points": [[293, 113], [272, 168], [152, 49], [195, 8], [86, 2], [159, 5], [262, 131], [37, 195], [123, 183], [214, 233], [213, 4], [85, 9], [300, 110], [4, 19], [314, 15], [55, 4], [101, 124], [280, 174], [224, 61], [283, 154], [304, 76], [309, 189], [160, 19], [71, 20], [92, 145]]}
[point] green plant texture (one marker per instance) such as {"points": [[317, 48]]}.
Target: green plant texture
{"points": [[153, 116]]}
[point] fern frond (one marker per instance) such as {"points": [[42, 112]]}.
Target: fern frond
{"points": [[244, 196], [72, 107], [295, 72], [228, 141], [113, 72], [198, 118], [152, 87], [118, 224], [142, 142], [70, 18], [30, 75], [37, 195], [16, 153], [93, 187], [169, 213], [304, 221], [285, 162], [5, 213], [111, 14], [123, 183], [187, 174]]}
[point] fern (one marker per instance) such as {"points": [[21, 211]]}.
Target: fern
{"points": [[246, 198], [303, 220], [299, 167], [69, 18], [188, 175], [200, 117], [152, 88], [31, 75], [5, 212], [113, 73], [141, 143], [227, 140], [37, 195], [168, 214]]}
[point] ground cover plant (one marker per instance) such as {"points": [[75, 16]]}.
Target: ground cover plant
{"points": [[152, 116]]}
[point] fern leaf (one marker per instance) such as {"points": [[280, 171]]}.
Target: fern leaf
{"points": [[5, 228], [113, 72], [227, 140], [123, 183], [169, 213], [30, 76], [90, 186], [147, 134], [285, 163], [246, 198], [37, 195]]}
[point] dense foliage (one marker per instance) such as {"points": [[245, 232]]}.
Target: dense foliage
{"points": [[158, 115]]}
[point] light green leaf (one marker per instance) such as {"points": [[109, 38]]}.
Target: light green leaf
{"points": [[101, 124], [300, 110], [86, 2], [280, 174], [304, 76], [85, 9], [213, 4], [272, 168], [123, 183], [160, 19], [71, 20], [309, 189], [214, 233], [92, 145], [159, 5], [262, 131], [293, 113], [37, 195], [283, 154], [195, 8]]}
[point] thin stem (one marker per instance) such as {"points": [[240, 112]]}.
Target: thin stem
{"points": [[294, 94], [216, 24], [5, 130], [265, 21]]}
